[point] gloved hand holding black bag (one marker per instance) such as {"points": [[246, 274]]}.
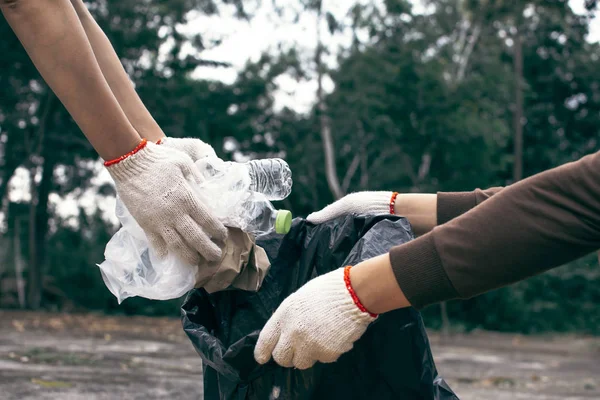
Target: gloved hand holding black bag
{"points": [[392, 360]]}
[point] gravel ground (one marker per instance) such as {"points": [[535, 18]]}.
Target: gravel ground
{"points": [[55, 356]]}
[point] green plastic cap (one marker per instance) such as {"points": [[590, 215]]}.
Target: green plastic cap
{"points": [[283, 222]]}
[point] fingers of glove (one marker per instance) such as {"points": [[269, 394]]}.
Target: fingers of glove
{"points": [[188, 168], [198, 211], [180, 248], [199, 149], [211, 224], [195, 237], [350, 204], [267, 340], [330, 356], [283, 354], [195, 148], [302, 360], [328, 213], [158, 245], [332, 353], [318, 217]]}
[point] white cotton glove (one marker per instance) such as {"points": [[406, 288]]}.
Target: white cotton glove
{"points": [[319, 322], [374, 203], [195, 148], [155, 184]]}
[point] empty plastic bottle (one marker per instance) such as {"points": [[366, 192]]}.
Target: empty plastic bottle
{"points": [[230, 190], [271, 176], [256, 215], [239, 193]]}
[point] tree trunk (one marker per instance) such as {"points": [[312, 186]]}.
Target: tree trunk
{"points": [[13, 159], [38, 211], [18, 260], [466, 55], [39, 230], [518, 113], [34, 274], [325, 126]]}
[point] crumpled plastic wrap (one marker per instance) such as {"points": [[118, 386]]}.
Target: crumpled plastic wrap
{"points": [[131, 267], [392, 360]]}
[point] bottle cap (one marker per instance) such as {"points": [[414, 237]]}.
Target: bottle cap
{"points": [[283, 222]]}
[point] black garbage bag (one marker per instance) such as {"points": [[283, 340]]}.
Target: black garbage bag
{"points": [[391, 361]]}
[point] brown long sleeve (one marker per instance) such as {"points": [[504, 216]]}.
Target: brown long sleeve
{"points": [[452, 204], [529, 227]]}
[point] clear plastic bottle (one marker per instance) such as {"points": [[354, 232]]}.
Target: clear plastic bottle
{"points": [[256, 215], [238, 194], [271, 176]]}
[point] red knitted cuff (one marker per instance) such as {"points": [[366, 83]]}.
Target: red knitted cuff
{"points": [[140, 146], [353, 293], [393, 203]]}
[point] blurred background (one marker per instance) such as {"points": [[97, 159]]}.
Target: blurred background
{"points": [[411, 96]]}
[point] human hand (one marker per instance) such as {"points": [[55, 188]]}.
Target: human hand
{"points": [[356, 203], [319, 322], [155, 184], [194, 148]]}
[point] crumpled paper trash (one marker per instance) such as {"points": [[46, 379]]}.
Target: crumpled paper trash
{"points": [[242, 266]]}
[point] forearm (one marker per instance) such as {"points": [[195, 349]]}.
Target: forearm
{"points": [[419, 209], [117, 78], [425, 211], [54, 38], [376, 286], [529, 227]]}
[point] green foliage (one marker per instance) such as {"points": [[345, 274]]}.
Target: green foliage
{"points": [[420, 103], [563, 300]]}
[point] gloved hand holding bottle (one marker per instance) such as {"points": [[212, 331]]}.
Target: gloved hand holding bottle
{"points": [[155, 183], [227, 191]]}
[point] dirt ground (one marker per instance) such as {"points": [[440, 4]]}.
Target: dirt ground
{"points": [[53, 356]]}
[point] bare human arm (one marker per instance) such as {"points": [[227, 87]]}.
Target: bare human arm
{"points": [[117, 77], [55, 40], [129, 100], [154, 182]]}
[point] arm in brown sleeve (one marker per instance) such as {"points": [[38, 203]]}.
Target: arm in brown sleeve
{"points": [[452, 204], [529, 227]]}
